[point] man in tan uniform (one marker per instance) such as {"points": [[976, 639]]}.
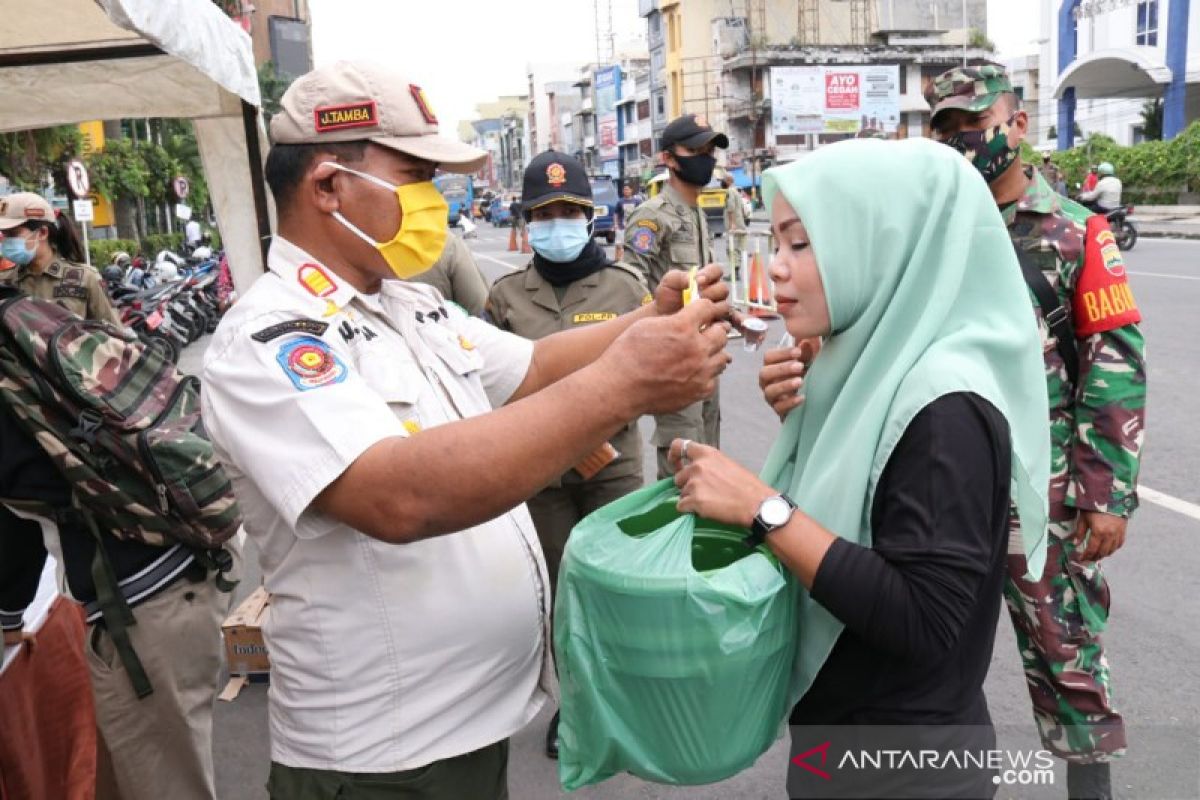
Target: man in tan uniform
{"points": [[457, 277], [667, 232], [569, 283], [46, 251], [735, 212]]}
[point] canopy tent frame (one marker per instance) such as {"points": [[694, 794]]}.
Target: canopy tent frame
{"points": [[115, 59]]}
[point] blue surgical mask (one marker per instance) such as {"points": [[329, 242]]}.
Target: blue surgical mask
{"points": [[16, 250], [559, 240]]}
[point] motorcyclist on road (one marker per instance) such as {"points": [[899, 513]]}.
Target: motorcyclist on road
{"points": [[1107, 195]]}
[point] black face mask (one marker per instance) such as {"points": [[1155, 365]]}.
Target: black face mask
{"points": [[696, 170]]}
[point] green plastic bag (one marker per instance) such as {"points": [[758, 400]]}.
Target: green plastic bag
{"points": [[674, 645]]}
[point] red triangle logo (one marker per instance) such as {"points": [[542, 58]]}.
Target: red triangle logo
{"points": [[802, 760]]}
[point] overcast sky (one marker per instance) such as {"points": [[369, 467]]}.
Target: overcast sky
{"points": [[463, 52]]}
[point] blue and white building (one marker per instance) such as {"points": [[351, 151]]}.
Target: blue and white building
{"points": [[1102, 59]]}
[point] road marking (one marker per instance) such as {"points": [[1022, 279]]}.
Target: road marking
{"points": [[1165, 275], [504, 264], [1167, 501]]}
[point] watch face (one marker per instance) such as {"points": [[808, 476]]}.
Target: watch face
{"points": [[775, 511]]}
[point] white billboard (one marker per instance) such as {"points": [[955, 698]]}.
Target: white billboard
{"points": [[829, 99]]}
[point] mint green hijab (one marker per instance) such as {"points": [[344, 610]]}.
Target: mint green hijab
{"points": [[926, 298]]}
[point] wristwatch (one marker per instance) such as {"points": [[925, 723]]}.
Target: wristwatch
{"points": [[773, 513]]}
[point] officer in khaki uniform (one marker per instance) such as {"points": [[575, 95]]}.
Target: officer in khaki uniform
{"points": [[667, 232], [570, 283], [46, 251], [555, 293], [382, 444]]}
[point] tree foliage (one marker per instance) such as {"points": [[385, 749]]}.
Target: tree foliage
{"points": [[1152, 172], [26, 157], [271, 85]]}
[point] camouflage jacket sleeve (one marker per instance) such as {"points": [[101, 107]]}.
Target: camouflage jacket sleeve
{"points": [[1110, 407], [1110, 411]]}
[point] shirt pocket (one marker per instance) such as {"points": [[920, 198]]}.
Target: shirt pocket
{"points": [[456, 351], [684, 253], [399, 381]]}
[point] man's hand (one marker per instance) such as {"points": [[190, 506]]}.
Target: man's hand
{"points": [[668, 295], [1098, 535], [782, 376], [673, 361], [715, 486]]}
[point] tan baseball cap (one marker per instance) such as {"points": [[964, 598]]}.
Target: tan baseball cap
{"points": [[353, 101], [17, 209]]}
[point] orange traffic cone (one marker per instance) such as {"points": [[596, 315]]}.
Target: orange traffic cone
{"points": [[758, 291], [512, 239], [525, 248]]}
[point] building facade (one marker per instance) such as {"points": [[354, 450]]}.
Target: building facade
{"points": [[1101, 60]]}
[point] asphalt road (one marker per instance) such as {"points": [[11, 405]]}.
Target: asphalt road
{"points": [[1153, 640]]}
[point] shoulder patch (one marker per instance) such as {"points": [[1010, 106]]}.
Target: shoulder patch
{"points": [[310, 364], [310, 326], [642, 238]]}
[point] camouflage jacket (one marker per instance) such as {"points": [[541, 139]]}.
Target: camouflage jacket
{"points": [[1097, 426]]}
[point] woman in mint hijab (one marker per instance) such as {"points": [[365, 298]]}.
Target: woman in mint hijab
{"points": [[888, 490]]}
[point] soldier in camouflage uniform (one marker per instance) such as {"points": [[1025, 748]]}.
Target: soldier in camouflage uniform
{"points": [[1096, 419], [47, 255]]}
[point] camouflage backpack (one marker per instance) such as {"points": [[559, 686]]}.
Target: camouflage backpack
{"points": [[120, 423]]}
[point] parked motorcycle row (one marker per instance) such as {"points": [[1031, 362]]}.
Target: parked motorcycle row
{"points": [[183, 304]]}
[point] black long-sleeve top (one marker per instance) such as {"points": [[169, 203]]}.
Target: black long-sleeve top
{"points": [[920, 605]]}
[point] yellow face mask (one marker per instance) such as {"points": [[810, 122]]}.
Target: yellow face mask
{"points": [[423, 227]]}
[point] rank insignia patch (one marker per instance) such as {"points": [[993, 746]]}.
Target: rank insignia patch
{"points": [[316, 280], [310, 364]]}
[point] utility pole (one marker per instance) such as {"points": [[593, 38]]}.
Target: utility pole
{"points": [[966, 31]]}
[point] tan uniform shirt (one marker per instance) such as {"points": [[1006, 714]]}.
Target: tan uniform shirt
{"points": [[666, 233], [735, 212], [457, 276], [76, 287], [527, 304], [384, 657]]}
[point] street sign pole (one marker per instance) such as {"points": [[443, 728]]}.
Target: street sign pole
{"points": [[87, 251]]}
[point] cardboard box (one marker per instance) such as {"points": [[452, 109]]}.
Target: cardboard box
{"points": [[245, 650]]}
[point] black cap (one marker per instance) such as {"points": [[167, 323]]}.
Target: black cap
{"points": [[553, 176], [692, 132]]}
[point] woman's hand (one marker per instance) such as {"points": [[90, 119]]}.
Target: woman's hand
{"points": [[782, 376], [715, 486]]}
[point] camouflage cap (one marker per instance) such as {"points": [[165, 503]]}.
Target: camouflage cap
{"points": [[971, 89]]}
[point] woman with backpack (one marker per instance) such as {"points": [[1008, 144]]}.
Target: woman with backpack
{"points": [[49, 258]]}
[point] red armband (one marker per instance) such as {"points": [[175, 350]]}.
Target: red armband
{"points": [[1103, 300]]}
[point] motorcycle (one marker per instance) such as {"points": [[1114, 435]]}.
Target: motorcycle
{"points": [[1122, 227]]}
